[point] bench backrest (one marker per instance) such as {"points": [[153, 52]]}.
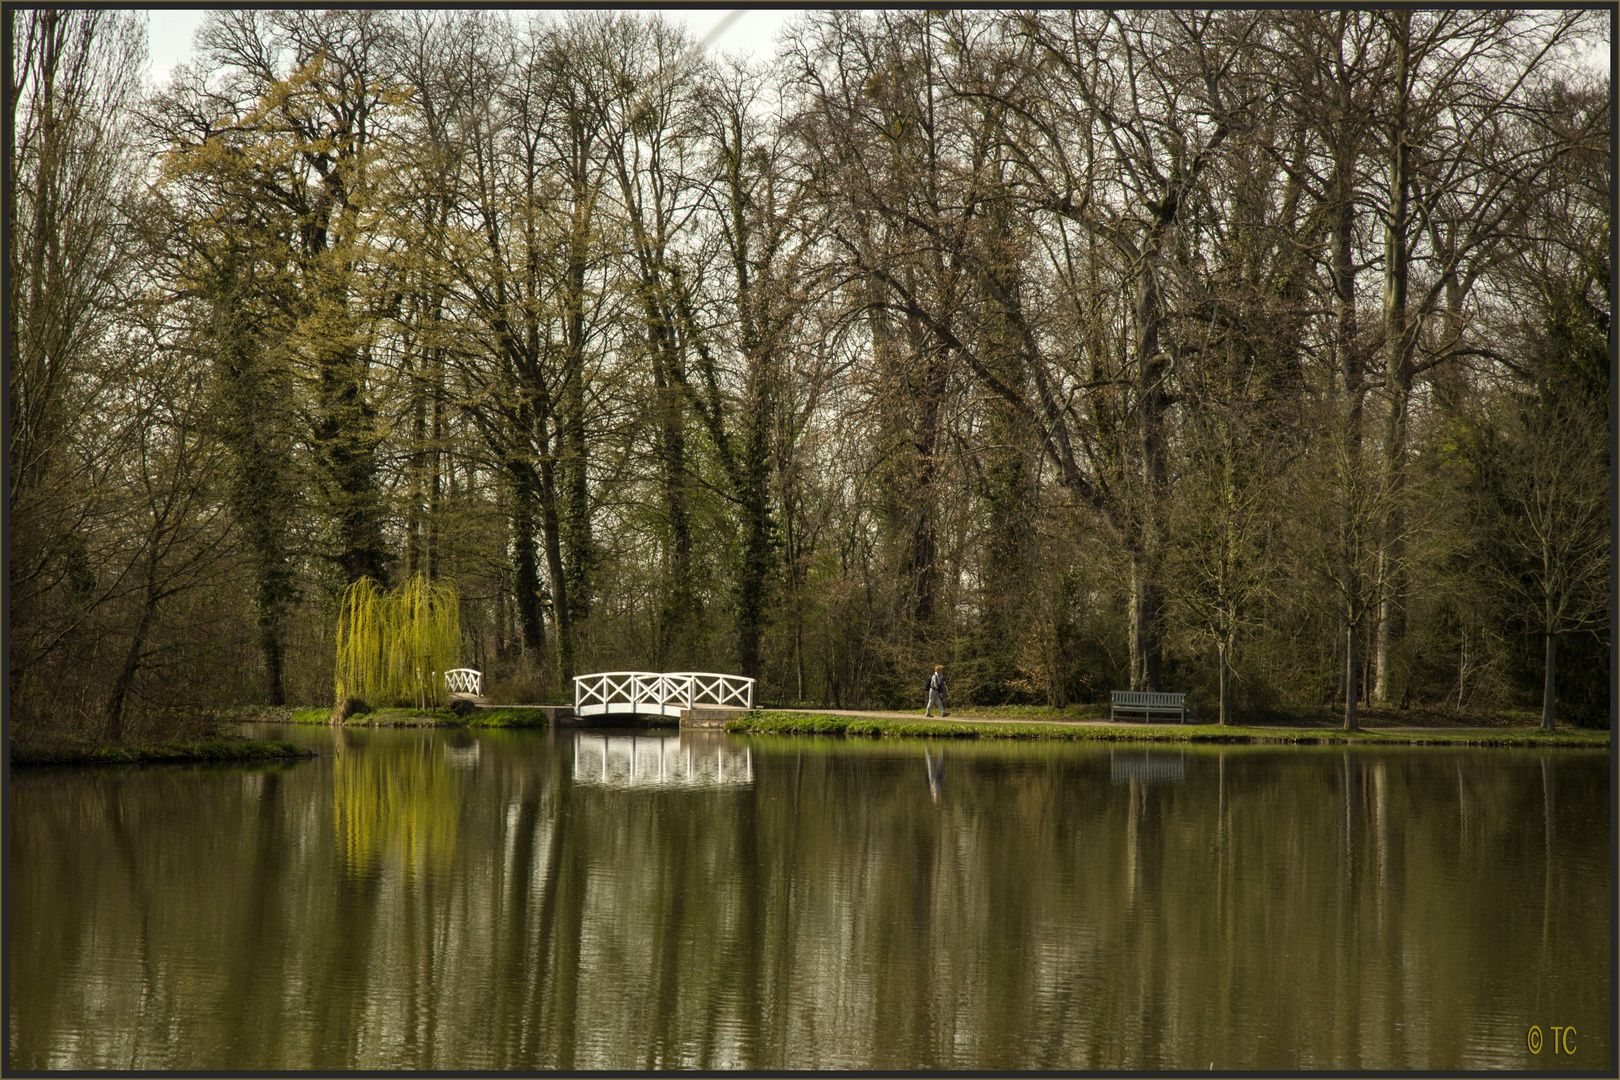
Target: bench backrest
{"points": [[1147, 697]]}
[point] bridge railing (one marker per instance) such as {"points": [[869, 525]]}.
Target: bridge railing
{"points": [[464, 680], [658, 691]]}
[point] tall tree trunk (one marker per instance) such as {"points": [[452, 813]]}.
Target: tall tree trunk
{"points": [[1226, 688], [113, 726], [1549, 680], [1391, 583], [1008, 578], [1146, 601], [1352, 387], [1151, 403], [525, 569], [578, 545], [345, 435], [270, 649], [14, 276], [436, 465], [798, 652], [679, 609], [924, 572], [258, 433], [749, 470], [1398, 376], [1352, 681], [273, 596], [417, 473], [756, 520], [551, 534]]}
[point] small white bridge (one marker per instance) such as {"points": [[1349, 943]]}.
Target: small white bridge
{"points": [[464, 680], [652, 693]]}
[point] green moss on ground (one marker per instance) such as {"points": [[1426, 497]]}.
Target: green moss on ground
{"points": [[507, 718], [207, 750], [784, 723], [479, 718], [404, 718]]}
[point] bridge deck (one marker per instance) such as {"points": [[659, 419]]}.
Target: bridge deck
{"points": [[628, 708]]}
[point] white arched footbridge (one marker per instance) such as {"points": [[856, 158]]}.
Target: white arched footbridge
{"points": [[465, 680], [650, 693]]}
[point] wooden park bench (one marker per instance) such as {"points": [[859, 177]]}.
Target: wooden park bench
{"points": [[1147, 703]]}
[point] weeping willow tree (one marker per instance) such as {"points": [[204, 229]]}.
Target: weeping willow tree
{"points": [[394, 647]]}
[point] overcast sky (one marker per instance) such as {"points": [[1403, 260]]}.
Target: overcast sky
{"points": [[752, 33]]}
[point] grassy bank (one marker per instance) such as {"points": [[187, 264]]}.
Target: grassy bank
{"points": [[205, 750], [479, 718], [802, 723], [976, 712], [1371, 717]]}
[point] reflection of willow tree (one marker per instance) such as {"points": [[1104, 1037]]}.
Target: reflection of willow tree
{"points": [[404, 801], [392, 646]]}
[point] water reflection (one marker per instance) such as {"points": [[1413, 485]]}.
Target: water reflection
{"points": [[936, 773], [692, 759], [1147, 767], [479, 902], [397, 801]]}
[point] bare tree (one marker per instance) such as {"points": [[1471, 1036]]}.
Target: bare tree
{"points": [[69, 150], [1550, 520], [1462, 150]]}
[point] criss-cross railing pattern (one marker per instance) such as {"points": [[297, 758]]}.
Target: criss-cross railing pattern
{"points": [[667, 693], [464, 680]]}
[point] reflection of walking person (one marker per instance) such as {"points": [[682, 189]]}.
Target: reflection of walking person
{"points": [[936, 692], [936, 772]]}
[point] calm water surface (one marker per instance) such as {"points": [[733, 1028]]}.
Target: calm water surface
{"points": [[534, 900]]}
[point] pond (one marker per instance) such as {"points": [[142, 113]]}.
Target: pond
{"points": [[432, 899]]}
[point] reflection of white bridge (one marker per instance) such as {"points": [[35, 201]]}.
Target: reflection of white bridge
{"points": [[651, 693], [690, 760]]}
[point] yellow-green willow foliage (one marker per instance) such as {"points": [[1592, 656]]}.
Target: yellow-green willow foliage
{"points": [[396, 803], [394, 647]]}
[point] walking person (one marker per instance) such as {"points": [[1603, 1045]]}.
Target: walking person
{"points": [[936, 692]]}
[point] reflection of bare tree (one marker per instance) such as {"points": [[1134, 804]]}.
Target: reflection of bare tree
{"points": [[1044, 918], [1547, 845], [1144, 852]]}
